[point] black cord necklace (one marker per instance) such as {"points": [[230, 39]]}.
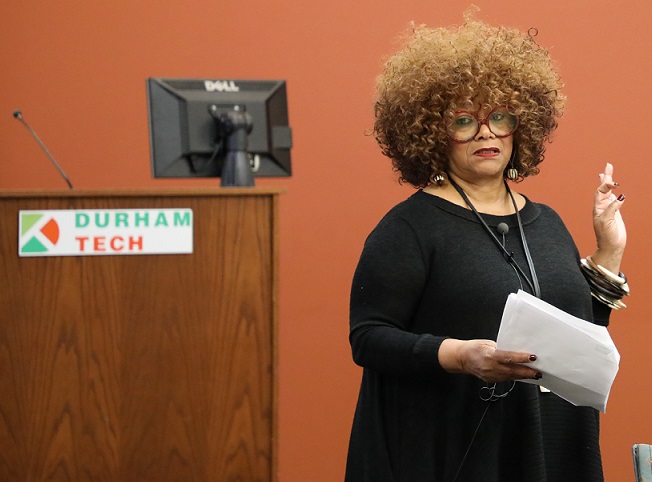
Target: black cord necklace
{"points": [[534, 282]]}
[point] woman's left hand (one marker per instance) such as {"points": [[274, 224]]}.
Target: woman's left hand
{"points": [[608, 223]]}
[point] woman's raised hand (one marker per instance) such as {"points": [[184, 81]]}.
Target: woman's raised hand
{"points": [[610, 232]]}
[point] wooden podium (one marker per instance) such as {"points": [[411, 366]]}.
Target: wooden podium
{"points": [[142, 367]]}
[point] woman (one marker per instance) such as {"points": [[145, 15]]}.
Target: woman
{"points": [[460, 111]]}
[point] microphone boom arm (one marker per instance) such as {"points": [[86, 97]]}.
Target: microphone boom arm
{"points": [[19, 115]]}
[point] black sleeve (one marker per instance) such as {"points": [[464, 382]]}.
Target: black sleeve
{"points": [[387, 286], [601, 313]]}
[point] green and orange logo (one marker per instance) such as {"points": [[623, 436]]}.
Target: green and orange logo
{"points": [[96, 232], [37, 233]]}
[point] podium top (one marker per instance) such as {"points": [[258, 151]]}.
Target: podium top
{"points": [[143, 192]]}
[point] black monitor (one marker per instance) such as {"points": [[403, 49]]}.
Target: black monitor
{"points": [[233, 129]]}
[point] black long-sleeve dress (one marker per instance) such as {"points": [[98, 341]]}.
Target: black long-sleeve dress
{"points": [[429, 271]]}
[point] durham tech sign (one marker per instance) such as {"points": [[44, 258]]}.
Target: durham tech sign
{"points": [[93, 232]]}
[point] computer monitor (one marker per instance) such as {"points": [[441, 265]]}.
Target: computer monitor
{"points": [[191, 125]]}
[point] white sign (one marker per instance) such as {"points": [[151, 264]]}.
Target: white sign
{"points": [[95, 232]]}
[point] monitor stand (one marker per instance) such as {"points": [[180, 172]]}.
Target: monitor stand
{"points": [[236, 126]]}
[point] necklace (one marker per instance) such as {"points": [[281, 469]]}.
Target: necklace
{"points": [[533, 282]]}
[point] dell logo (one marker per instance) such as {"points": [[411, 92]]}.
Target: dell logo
{"points": [[221, 86]]}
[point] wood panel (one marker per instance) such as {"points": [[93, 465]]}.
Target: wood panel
{"points": [[142, 368]]}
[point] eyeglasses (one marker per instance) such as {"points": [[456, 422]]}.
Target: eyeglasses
{"points": [[465, 125]]}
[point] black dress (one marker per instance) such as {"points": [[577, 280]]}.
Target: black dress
{"points": [[429, 271]]}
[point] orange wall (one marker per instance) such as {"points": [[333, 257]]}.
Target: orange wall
{"points": [[77, 71]]}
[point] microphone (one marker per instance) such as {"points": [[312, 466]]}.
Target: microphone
{"points": [[19, 115], [503, 229]]}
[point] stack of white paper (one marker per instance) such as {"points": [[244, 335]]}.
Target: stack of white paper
{"points": [[578, 359]]}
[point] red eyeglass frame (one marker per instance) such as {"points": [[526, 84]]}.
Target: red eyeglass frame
{"points": [[482, 122]]}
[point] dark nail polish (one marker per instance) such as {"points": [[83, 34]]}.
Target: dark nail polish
{"points": [[533, 358], [616, 184], [538, 376], [621, 197]]}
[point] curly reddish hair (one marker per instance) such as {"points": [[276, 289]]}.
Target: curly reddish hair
{"points": [[442, 70]]}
